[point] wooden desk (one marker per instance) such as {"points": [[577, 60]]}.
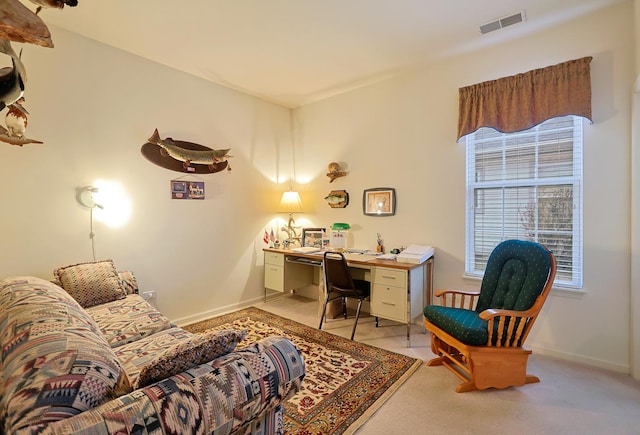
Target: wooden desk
{"points": [[398, 290]]}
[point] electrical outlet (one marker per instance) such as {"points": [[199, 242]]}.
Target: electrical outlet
{"points": [[149, 295]]}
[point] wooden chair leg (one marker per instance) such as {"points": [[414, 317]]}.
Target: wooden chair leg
{"points": [[531, 379], [436, 361]]}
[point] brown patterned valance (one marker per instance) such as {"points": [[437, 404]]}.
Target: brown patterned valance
{"points": [[522, 101]]}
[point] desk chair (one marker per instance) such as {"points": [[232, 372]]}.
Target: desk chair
{"points": [[340, 285]]}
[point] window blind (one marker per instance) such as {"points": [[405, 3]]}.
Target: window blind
{"points": [[527, 185]]}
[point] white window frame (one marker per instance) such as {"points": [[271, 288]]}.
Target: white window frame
{"points": [[576, 180]]}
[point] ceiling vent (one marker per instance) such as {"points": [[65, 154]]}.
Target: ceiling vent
{"points": [[503, 22]]}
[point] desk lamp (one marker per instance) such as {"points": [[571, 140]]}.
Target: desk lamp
{"points": [[290, 203]]}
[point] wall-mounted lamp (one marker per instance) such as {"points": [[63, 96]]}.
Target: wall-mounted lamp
{"points": [[107, 202], [290, 203], [86, 197]]}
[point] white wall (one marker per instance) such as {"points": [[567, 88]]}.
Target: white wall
{"points": [[401, 133], [635, 212], [94, 107]]}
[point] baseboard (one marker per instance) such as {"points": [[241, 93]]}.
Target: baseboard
{"points": [[183, 321], [575, 358]]}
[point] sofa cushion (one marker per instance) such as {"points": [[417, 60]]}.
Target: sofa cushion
{"points": [[91, 283], [126, 320], [196, 350], [55, 362], [137, 354]]}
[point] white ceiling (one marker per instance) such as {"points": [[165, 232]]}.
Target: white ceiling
{"points": [[292, 52]]}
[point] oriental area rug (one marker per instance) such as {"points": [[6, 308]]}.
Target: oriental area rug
{"points": [[345, 382]]}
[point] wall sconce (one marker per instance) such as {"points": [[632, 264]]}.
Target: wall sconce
{"points": [[107, 202], [290, 203], [86, 197]]}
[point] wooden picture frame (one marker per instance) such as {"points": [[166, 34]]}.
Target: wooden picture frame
{"points": [[315, 237], [379, 201]]}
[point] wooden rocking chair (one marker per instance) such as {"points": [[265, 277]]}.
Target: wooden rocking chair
{"points": [[483, 346]]}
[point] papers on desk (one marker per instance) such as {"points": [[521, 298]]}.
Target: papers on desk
{"points": [[363, 252], [387, 257], [358, 257], [416, 254], [306, 250]]}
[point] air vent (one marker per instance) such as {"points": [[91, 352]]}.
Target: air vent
{"points": [[503, 22]]}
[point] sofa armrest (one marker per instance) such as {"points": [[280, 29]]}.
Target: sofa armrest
{"points": [[222, 396]]}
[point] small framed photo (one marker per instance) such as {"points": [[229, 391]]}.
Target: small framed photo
{"points": [[187, 189], [315, 237], [379, 201]]}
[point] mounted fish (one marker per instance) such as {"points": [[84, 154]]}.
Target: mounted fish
{"points": [[337, 199], [184, 156], [12, 79]]}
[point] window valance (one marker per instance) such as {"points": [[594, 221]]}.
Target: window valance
{"points": [[524, 100]]}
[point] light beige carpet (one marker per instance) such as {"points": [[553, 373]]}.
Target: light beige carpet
{"points": [[571, 399]]}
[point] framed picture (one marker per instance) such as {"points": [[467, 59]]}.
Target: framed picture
{"points": [[379, 201], [316, 237], [187, 189]]}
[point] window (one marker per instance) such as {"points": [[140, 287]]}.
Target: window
{"points": [[527, 185]]}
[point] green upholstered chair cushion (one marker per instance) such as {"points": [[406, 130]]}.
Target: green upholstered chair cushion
{"points": [[465, 325], [515, 275]]}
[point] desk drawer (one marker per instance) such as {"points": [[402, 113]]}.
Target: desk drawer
{"points": [[389, 302], [273, 258], [274, 277], [392, 277]]}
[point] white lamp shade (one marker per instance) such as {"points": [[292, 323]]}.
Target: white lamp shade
{"points": [[290, 202]]}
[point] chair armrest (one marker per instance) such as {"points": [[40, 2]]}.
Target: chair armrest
{"points": [[490, 313], [457, 298], [512, 326]]}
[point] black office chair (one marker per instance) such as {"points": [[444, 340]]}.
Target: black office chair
{"points": [[340, 285]]}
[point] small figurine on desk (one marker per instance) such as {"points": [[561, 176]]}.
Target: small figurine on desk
{"points": [[380, 246]]}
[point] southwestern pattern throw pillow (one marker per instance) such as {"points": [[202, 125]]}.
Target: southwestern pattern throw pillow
{"points": [[199, 349], [91, 283]]}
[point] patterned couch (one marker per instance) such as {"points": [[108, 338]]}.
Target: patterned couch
{"points": [[111, 363]]}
